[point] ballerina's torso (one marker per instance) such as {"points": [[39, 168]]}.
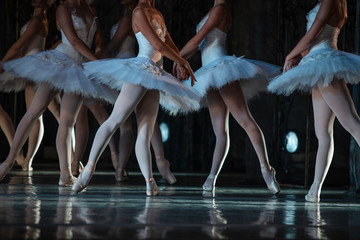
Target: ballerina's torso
{"points": [[214, 44], [328, 37], [145, 48], [85, 33], [127, 47], [35, 45]]}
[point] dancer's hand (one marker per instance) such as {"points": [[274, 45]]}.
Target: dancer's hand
{"points": [[190, 72], [290, 63]]}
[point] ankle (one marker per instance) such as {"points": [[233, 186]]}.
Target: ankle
{"points": [[149, 180]]}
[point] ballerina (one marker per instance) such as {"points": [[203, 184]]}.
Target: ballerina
{"points": [[57, 71], [140, 80], [324, 72], [224, 93], [123, 45], [32, 40]]}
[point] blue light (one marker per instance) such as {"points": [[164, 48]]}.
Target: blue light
{"points": [[164, 131], [291, 142]]}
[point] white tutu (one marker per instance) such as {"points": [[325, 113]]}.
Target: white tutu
{"points": [[61, 72], [253, 76], [10, 83], [319, 68], [142, 71]]}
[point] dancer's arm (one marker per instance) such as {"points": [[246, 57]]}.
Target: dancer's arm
{"points": [[15, 50], [215, 17], [122, 31], [64, 21], [142, 24], [326, 9], [98, 40]]}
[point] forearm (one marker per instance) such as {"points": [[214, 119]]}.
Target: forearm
{"points": [[12, 53], [189, 50], [84, 50]]}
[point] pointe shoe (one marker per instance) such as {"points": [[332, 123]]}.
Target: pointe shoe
{"points": [[20, 159], [121, 175], [151, 188], [4, 169], [312, 197], [69, 179], [209, 184], [164, 169], [76, 168], [83, 180], [273, 185], [26, 167]]}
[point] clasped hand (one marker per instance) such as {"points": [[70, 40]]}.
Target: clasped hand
{"points": [[183, 72]]}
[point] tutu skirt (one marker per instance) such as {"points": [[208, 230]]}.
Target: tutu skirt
{"points": [[174, 96], [253, 76], [318, 68], [61, 73], [11, 83]]}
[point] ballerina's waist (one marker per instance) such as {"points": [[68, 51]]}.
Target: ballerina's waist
{"points": [[153, 55], [323, 45], [34, 51], [211, 54], [70, 51]]}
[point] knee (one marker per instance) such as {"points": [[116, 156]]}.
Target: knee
{"points": [[221, 134], [324, 136], [246, 122]]}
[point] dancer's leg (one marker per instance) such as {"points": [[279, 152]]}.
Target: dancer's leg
{"points": [[8, 128], [41, 100], [338, 98], [234, 99], [126, 144], [324, 122], [36, 133], [70, 106], [54, 107], [128, 99], [146, 113], [219, 115], [81, 136], [162, 164], [101, 115]]}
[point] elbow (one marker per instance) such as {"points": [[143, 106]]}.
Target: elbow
{"points": [[159, 47], [74, 41]]}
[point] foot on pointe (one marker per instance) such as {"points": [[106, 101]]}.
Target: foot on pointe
{"points": [[314, 193], [67, 182], [121, 175], [151, 188], [83, 180], [270, 180], [209, 184], [164, 169]]}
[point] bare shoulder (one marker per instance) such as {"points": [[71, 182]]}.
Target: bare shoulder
{"points": [[220, 9], [62, 10]]}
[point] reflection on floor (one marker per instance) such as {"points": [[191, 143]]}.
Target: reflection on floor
{"points": [[34, 207]]}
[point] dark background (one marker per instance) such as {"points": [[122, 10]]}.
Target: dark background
{"points": [[265, 30]]}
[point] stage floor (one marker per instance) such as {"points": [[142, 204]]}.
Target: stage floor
{"points": [[34, 207]]}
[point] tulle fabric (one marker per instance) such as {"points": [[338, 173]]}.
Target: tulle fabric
{"points": [[318, 69], [114, 73], [253, 76], [61, 72]]}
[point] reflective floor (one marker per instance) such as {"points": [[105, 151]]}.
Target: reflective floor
{"points": [[34, 207]]}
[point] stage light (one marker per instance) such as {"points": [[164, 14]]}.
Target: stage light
{"points": [[164, 128], [291, 142]]}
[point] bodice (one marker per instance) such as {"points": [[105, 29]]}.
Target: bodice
{"points": [[127, 47], [145, 48], [213, 45], [328, 36], [86, 35], [35, 44]]}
